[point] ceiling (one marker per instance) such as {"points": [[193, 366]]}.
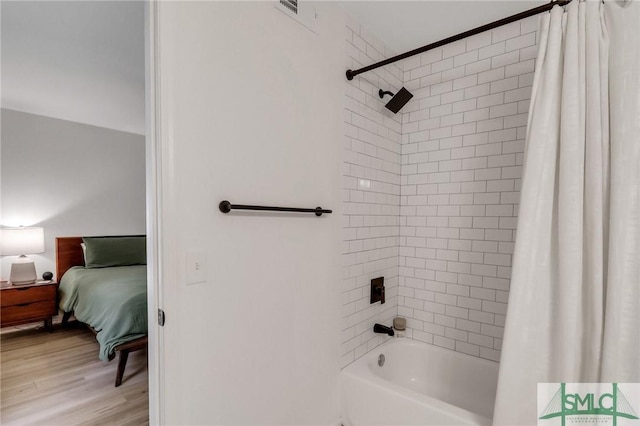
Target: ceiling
{"points": [[406, 25], [83, 61], [75, 60]]}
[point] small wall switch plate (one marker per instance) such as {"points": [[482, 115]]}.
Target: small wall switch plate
{"points": [[196, 267]]}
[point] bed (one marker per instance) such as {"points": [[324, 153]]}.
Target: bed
{"points": [[110, 299]]}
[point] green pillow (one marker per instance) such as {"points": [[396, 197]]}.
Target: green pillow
{"points": [[104, 252]]}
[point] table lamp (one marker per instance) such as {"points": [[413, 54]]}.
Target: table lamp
{"points": [[20, 242]]}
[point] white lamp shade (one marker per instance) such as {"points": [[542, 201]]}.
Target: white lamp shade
{"points": [[18, 241]]}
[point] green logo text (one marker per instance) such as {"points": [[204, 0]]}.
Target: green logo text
{"points": [[564, 404]]}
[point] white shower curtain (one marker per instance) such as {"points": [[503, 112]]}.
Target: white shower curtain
{"points": [[574, 306]]}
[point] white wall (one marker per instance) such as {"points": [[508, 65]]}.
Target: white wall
{"points": [[251, 111], [372, 153], [463, 138], [70, 178], [251, 103]]}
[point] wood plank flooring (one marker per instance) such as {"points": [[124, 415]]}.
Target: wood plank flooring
{"points": [[57, 379]]}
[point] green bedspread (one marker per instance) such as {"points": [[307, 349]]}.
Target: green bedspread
{"points": [[113, 301]]}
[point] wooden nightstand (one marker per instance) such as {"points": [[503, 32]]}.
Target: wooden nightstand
{"points": [[29, 303]]}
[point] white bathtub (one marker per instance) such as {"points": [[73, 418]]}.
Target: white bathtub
{"points": [[418, 384]]}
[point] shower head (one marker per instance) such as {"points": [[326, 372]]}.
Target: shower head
{"points": [[398, 101]]}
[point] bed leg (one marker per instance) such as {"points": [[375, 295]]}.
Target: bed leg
{"points": [[122, 363], [65, 318]]}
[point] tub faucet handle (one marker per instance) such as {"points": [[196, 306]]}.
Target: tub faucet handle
{"points": [[377, 290]]}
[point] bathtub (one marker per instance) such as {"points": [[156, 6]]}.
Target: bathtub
{"points": [[418, 384]]}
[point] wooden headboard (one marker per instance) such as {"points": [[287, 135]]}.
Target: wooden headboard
{"points": [[68, 254]]}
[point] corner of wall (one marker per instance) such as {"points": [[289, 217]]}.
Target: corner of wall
{"points": [[370, 193]]}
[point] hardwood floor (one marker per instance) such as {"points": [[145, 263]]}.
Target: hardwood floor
{"points": [[57, 379]]}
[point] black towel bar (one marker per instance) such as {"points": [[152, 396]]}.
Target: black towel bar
{"points": [[225, 207]]}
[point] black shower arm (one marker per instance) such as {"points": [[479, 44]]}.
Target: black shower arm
{"points": [[384, 92]]}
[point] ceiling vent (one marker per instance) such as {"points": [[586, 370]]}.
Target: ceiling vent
{"points": [[302, 12], [292, 5]]}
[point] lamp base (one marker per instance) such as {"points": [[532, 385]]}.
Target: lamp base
{"points": [[23, 273]]}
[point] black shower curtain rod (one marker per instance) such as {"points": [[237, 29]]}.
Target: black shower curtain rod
{"points": [[501, 22]]}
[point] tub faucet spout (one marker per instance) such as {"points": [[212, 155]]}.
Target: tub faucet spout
{"points": [[383, 329]]}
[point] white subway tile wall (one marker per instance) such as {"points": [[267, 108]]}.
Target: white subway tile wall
{"points": [[430, 195], [462, 143], [370, 194]]}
